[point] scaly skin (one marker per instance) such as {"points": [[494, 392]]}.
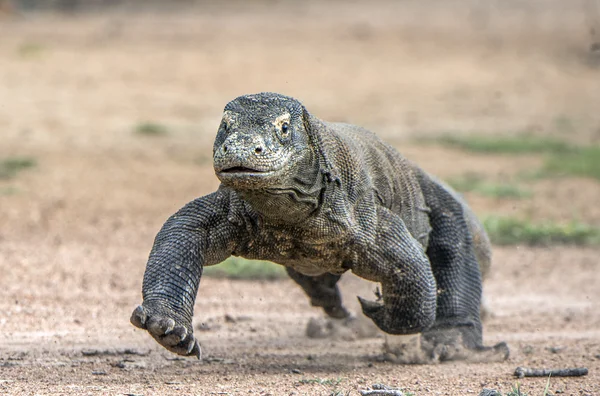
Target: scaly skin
{"points": [[322, 199]]}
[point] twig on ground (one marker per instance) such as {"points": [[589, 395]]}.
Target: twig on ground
{"points": [[521, 372], [381, 390]]}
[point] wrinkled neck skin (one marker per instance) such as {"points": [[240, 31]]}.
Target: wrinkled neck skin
{"points": [[293, 201]]}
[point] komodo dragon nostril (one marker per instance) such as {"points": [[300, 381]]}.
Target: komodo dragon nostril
{"points": [[258, 150], [224, 149]]}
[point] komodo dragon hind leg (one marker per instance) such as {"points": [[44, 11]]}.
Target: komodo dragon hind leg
{"points": [[322, 291], [457, 331]]}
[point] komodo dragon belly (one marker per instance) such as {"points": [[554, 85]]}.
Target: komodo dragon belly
{"points": [[304, 255]]}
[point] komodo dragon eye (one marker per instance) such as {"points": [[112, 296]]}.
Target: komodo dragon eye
{"points": [[285, 128]]}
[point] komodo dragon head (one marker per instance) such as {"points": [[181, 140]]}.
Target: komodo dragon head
{"points": [[262, 143]]}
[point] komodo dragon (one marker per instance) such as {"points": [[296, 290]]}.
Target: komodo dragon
{"points": [[321, 199]]}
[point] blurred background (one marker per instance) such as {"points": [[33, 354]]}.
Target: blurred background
{"points": [[108, 110]]}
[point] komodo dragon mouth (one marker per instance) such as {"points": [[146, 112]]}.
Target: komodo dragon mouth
{"points": [[241, 169], [248, 175]]}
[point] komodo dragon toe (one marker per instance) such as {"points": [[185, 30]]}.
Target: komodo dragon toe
{"points": [[167, 332]]}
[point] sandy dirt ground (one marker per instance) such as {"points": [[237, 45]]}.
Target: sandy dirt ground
{"points": [[76, 229]]}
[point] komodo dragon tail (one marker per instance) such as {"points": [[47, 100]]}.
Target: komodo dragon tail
{"points": [[481, 241]]}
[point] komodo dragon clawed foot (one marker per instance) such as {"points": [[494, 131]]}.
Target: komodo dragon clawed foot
{"points": [[440, 346], [461, 343], [168, 332]]}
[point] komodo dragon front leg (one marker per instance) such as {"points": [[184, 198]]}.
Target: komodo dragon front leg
{"points": [[390, 255], [430, 292], [201, 233]]}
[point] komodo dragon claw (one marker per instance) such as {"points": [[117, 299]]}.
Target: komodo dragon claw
{"points": [[167, 332], [370, 308]]}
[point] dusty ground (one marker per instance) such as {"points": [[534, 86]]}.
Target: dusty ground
{"points": [[75, 230]]}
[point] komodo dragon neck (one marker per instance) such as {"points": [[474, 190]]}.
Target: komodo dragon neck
{"points": [[296, 200]]}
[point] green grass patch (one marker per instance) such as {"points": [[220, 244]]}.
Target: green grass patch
{"points": [[511, 231], [585, 161], [472, 182], [516, 391], [151, 129], [561, 158], [239, 268], [520, 144], [547, 388], [11, 166]]}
